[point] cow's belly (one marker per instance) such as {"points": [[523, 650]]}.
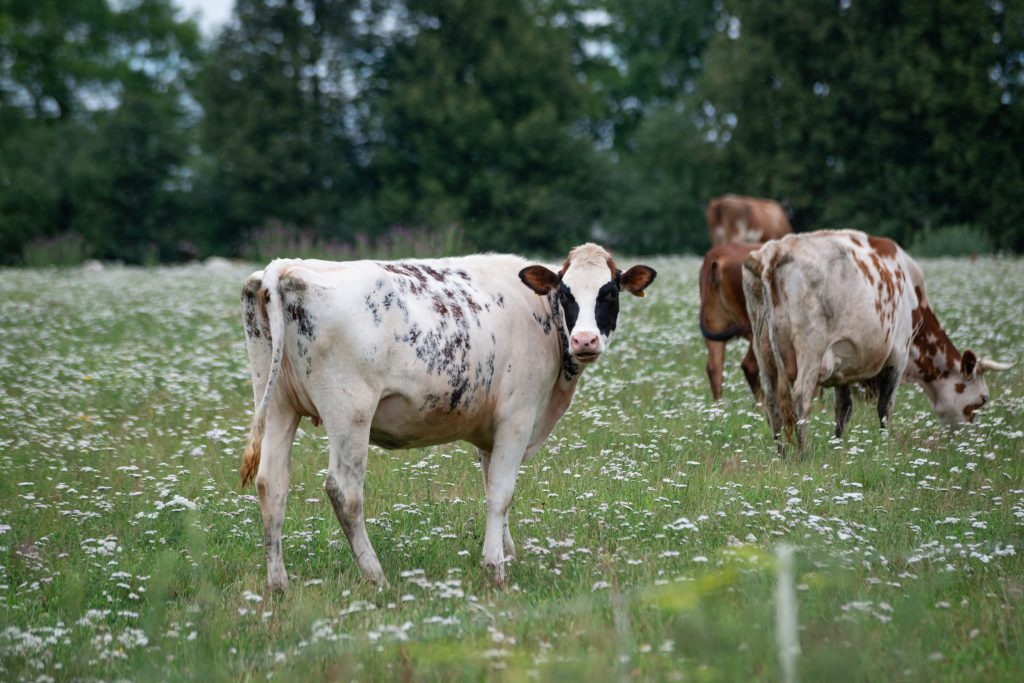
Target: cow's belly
{"points": [[862, 355], [412, 422]]}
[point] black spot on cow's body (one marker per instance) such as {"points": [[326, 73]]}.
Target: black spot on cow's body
{"points": [[297, 312], [544, 322], [255, 326], [374, 309], [434, 273], [444, 346], [290, 284], [457, 392]]}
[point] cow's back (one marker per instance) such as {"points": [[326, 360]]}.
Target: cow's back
{"points": [[735, 218]]}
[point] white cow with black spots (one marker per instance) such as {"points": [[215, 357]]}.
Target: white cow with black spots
{"points": [[413, 353]]}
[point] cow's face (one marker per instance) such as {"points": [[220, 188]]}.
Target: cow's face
{"points": [[965, 390], [587, 290]]}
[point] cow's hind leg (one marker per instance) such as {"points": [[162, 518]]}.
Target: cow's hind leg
{"points": [[715, 365], [887, 381], [803, 395], [752, 373], [770, 387], [509, 449], [844, 408], [348, 434], [508, 545], [272, 486]]}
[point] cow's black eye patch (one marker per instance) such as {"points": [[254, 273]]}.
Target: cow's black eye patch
{"points": [[606, 310], [609, 292], [569, 306]]}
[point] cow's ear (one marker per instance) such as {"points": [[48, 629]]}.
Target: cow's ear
{"points": [[540, 279], [968, 363], [636, 279]]}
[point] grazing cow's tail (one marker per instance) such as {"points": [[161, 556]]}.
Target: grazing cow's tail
{"points": [[784, 385], [761, 265], [270, 306]]}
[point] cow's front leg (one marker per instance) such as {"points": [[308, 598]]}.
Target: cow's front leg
{"points": [[844, 408], [508, 545], [887, 382], [500, 484], [272, 486], [349, 436]]}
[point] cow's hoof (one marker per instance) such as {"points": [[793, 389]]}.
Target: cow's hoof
{"points": [[499, 575], [278, 582], [377, 580]]}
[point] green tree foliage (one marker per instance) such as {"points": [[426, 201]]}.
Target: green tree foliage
{"points": [[476, 107], [277, 100], [520, 124], [93, 132], [636, 57], [894, 117], [642, 62]]}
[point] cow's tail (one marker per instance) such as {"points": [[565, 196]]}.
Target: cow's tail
{"points": [[710, 281], [270, 305], [761, 264], [784, 387]]}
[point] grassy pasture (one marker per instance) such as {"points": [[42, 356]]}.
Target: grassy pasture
{"points": [[646, 527]]}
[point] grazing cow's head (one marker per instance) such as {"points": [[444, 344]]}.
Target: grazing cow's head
{"points": [[588, 287], [965, 389]]}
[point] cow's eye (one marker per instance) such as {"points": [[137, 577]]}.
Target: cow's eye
{"points": [[609, 295]]}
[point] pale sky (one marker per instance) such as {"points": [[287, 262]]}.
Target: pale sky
{"points": [[212, 13]]}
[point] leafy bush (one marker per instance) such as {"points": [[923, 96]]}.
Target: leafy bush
{"points": [[67, 249], [951, 240]]}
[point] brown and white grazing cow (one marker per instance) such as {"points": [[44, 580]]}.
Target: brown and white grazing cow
{"points": [[734, 218], [723, 312], [413, 353], [835, 307]]}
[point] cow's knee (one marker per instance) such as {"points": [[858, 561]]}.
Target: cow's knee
{"points": [[347, 501]]}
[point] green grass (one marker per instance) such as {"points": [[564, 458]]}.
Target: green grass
{"points": [[646, 527]]}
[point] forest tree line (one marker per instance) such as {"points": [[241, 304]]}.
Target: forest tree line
{"points": [[525, 125]]}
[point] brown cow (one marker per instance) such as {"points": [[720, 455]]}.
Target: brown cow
{"points": [[836, 307], [723, 312], [733, 218]]}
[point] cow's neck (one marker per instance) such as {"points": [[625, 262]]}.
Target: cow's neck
{"points": [[933, 358], [569, 372]]}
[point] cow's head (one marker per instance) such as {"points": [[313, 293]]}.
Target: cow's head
{"points": [[588, 287], [965, 390]]}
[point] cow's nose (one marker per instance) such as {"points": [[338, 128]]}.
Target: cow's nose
{"points": [[584, 342]]}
